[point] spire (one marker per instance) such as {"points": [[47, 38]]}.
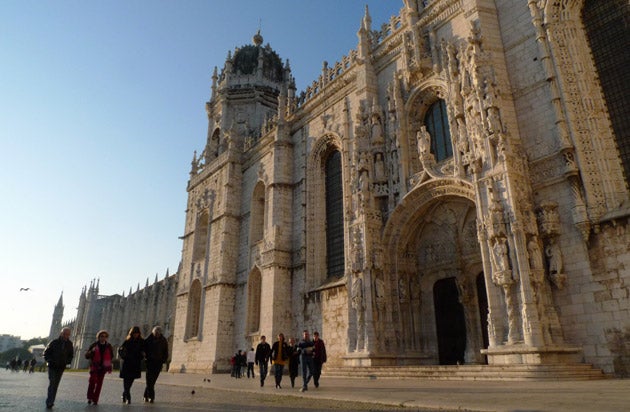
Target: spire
{"points": [[363, 33], [215, 77], [367, 20], [60, 302]]}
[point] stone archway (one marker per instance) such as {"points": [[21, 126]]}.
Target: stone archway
{"points": [[436, 239]]}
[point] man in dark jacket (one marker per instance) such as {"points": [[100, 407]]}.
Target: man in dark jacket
{"points": [[319, 357], [156, 349], [263, 351], [57, 354]]}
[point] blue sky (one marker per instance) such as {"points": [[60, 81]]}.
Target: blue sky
{"points": [[101, 108]]}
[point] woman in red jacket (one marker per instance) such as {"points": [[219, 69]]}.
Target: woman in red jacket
{"points": [[100, 354]]}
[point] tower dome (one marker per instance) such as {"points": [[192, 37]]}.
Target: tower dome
{"points": [[248, 58]]}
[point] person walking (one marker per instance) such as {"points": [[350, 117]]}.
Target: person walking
{"points": [[306, 359], [131, 352], [251, 358], [319, 357], [279, 357], [57, 354], [294, 361], [239, 361], [156, 352], [263, 350], [100, 354]]}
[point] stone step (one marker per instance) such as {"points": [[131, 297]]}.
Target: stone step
{"points": [[472, 372]]}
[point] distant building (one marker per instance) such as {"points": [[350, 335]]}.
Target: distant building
{"points": [[147, 307], [9, 342], [38, 352]]}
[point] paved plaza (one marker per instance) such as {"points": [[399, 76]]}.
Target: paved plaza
{"points": [[24, 392]]}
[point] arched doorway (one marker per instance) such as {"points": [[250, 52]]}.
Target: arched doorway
{"points": [[450, 322]]}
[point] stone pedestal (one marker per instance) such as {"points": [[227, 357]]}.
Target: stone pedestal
{"points": [[371, 359], [528, 355]]}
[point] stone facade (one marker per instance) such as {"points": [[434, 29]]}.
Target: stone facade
{"points": [[482, 212], [147, 307]]}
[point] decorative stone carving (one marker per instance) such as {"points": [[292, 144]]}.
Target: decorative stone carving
{"points": [[358, 306], [554, 259]]}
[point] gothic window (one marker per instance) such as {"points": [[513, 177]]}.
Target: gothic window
{"points": [[607, 25], [201, 237], [194, 309], [257, 214], [436, 123], [334, 216], [253, 302], [214, 144]]}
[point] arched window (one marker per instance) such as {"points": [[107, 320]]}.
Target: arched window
{"points": [[253, 301], [607, 25], [436, 123], [334, 216], [257, 215], [201, 237], [194, 309]]}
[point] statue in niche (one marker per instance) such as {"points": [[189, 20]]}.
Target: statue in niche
{"points": [[462, 138], [500, 255], [364, 188], [357, 305], [496, 214], [424, 142], [554, 257], [494, 121], [393, 166], [379, 168], [490, 94], [377, 130]]}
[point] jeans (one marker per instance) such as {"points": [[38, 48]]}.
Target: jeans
{"points": [[54, 377], [263, 371], [278, 370], [250, 368], [153, 371], [307, 370]]}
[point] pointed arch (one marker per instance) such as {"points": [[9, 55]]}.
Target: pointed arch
{"points": [[202, 231], [326, 174], [194, 310]]}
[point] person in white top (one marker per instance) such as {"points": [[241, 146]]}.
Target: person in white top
{"points": [[251, 358]]}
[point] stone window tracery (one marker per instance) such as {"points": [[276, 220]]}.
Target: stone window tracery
{"points": [[194, 309], [436, 122], [607, 29], [202, 232], [335, 262]]}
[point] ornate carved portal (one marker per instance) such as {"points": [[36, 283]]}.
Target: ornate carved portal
{"points": [[434, 285]]}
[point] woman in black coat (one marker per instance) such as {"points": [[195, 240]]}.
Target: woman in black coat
{"points": [[132, 353]]}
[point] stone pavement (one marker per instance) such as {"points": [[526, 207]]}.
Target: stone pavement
{"points": [[23, 392], [607, 395]]}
